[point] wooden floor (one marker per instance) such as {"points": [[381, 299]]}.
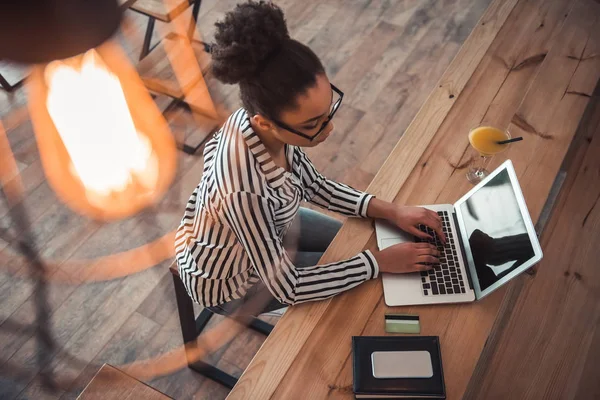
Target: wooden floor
{"points": [[386, 56]]}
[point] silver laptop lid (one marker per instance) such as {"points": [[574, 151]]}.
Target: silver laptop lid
{"points": [[497, 233]]}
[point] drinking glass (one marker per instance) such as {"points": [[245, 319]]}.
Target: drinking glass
{"points": [[485, 141]]}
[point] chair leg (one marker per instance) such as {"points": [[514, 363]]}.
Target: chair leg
{"points": [[190, 329], [261, 326], [148, 37], [187, 320], [214, 373], [186, 148], [193, 24], [255, 324], [195, 12], [8, 87], [202, 320]]}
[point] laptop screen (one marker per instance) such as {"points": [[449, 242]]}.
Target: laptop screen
{"points": [[496, 230]]}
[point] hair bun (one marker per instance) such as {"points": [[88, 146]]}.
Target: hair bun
{"points": [[250, 34]]}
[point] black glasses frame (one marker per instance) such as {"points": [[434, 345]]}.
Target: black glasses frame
{"points": [[334, 109]]}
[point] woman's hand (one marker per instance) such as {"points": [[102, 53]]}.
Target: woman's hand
{"points": [[407, 257], [407, 218]]}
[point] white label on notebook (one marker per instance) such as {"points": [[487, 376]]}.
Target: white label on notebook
{"points": [[401, 364]]}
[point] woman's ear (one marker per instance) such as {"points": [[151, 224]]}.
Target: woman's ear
{"points": [[262, 123]]}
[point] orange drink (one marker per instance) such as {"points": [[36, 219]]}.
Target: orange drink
{"points": [[484, 139]]}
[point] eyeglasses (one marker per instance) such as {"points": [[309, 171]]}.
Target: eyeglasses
{"points": [[334, 109]]}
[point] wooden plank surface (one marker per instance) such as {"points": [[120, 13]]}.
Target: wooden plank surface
{"points": [[124, 4], [163, 10], [577, 33], [309, 360], [555, 343], [110, 383]]}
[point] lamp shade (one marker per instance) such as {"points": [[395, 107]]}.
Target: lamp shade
{"points": [[39, 31], [106, 148]]}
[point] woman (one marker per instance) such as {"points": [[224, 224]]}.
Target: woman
{"points": [[230, 244]]}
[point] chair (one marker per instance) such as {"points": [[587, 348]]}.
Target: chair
{"points": [[192, 327], [165, 11], [188, 89], [13, 72], [9, 88], [158, 66]]}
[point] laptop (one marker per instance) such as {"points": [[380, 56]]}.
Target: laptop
{"points": [[491, 239]]}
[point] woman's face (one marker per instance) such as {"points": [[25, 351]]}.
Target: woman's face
{"points": [[313, 109]]}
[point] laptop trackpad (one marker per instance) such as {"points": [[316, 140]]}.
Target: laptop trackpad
{"points": [[389, 235], [388, 242]]}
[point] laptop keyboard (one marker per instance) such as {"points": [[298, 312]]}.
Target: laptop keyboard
{"points": [[445, 277]]}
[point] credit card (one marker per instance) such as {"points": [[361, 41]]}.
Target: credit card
{"points": [[402, 323]]}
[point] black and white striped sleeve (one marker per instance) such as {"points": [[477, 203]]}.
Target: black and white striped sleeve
{"points": [[329, 194], [251, 219]]}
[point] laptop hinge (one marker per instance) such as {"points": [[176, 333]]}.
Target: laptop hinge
{"points": [[462, 249]]}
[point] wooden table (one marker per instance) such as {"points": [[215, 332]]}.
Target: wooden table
{"points": [[111, 383], [125, 4], [529, 66]]}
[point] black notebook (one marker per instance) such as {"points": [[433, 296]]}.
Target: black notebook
{"points": [[406, 367]]}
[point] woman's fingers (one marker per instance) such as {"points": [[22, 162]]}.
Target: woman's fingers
{"points": [[428, 259], [430, 252], [434, 215], [432, 220], [435, 223], [423, 267], [427, 248], [420, 234]]}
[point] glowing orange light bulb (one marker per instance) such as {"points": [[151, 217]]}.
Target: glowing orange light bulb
{"points": [[106, 149]]}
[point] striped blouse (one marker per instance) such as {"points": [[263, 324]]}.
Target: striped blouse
{"points": [[231, 235]]}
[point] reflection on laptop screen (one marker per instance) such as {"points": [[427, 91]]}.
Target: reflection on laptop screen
{"points": [[496, 230]]}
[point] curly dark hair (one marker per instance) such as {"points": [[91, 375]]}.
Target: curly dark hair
{"points": [[253, 49]]}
